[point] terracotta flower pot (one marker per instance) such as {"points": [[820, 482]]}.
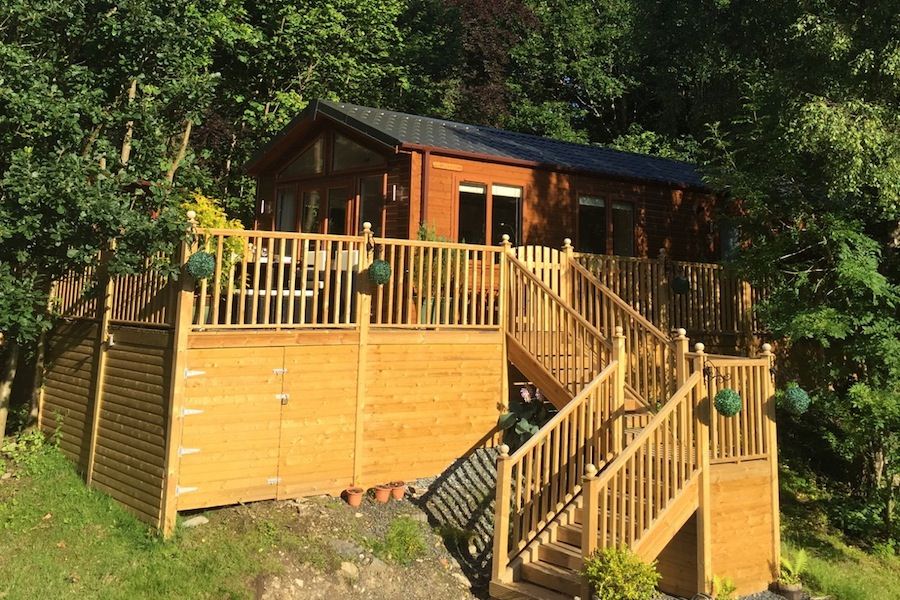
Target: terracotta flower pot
{"points": [[382, 493], [354, 496], [398, 489]]}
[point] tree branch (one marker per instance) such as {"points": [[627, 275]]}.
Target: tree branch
{"points": [[182, 150]]}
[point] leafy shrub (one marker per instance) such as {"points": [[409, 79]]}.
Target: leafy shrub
{"points": [[27, 447], [792, 568], [618, 574], [403, 543], [525, 417], [724, 588]]}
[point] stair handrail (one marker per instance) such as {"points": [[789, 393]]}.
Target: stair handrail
{"points": [[543, 476], [653, 469], [650, 369], [531, 302]]}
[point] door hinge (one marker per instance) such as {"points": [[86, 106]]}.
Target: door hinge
{"points": [[280, 371], [186, 412], [182, 451], [273, 480], [283, 397], [179, 490], [193, 373]]}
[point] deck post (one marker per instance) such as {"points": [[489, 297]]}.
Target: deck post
{"points": [[101, 350], [590, 492], [618, 408], [769, 391], [500, 571], [566, 287], [503, 297], [681, 343], [363, 319], [703, 415], [182, 318]]}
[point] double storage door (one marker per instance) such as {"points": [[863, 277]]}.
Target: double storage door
{"points": [[255, 429]]}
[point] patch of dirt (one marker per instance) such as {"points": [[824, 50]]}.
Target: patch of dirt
{"points": [[325, 550]]}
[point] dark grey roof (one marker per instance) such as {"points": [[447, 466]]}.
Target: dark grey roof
{"points": [[395, 129]]}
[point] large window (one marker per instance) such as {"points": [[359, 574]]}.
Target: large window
{"points": [[347, 154], [286, 211], [506, 203], [310, 162], [371, 200], [592, 224], [312, 202], [338, 199], [623, 228], [472, 213]]}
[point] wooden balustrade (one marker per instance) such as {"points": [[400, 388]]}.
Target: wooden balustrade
{"points": [[544, 474], [745, 435], [632, 491], [568, 346], [650, 359], [437, 284], [77, 295], [141, 298], [278, 280]]}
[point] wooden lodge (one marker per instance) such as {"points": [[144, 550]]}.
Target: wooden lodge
{"points": [[289, 372]]}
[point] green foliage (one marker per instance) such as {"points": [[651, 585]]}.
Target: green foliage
{"points": [[201, 265], [794, 399], [793, 567], [403, 543], [526, 415], [379, 271], [618, 574], [724, 588], [727, 402], [28, 449]]}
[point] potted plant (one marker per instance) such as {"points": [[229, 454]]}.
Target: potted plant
{"points": [[382, 493], [354, 496], [789, 578], [398, 489]]}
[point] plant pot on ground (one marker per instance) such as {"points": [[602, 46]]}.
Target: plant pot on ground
{"points": [[792, 591], [789, 583], [382, 493], [398, 489], [354, 496]]}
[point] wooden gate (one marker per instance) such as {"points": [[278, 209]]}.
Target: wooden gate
{"points": [[546, 263]]}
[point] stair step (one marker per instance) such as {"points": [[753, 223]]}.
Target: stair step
{"points": [[522, 590], [561, 554], [569, 534], [544, 574]]}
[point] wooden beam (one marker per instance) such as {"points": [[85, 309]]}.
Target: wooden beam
{"points": [[101, 349], [363, 318]]}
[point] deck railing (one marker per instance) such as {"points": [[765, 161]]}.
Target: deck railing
{"points": [[437, 284], [632, 491], [566, 345], [544, 474], [650, 359]]}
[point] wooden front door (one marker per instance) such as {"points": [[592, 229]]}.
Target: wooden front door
{"points": [[327, 208]]}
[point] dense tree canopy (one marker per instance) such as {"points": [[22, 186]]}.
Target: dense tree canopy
{"points": [[112, 112]]}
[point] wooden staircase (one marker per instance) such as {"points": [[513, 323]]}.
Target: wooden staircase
{"points": [[608, 470]]}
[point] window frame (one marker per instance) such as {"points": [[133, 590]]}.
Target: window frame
{"points": [[609, 202], [488, 186]]}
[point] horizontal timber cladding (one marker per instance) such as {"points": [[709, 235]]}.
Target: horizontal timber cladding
{"points": [[429, 399], [130, 442], [665, 217], [282, 415], [742, 526], [69, 383], [677, 563]]}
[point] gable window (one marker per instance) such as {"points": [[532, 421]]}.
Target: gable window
{"points": [[592, 224], [623, 228], [506, 211], [347, 154], [310, 162], [472, 213]]}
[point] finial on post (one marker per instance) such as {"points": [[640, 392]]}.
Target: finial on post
{"points": [[504, 451], [681, 333], [192, 217], [590, 471], [567, 243], [618, 331], [367, 227], [505, 242], [767, 349], [699, 347]]}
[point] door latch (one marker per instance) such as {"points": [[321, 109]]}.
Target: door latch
{"points": [[283, 397]]}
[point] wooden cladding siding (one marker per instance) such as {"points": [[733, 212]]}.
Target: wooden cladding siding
{"points": [[677, 220], [69, 382], [129, 455], [677, 563], [281, 412]]}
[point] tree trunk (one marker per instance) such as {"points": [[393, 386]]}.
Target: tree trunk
{"points": [[182, 150], [10, 363], [38, 380], [129, 126]]}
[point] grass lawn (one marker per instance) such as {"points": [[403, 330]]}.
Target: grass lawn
{"points": [[836, 568]]}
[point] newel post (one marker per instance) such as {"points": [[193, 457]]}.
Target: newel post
{"points": [[772, 433], [703, 415], [500, 571], [363, 320], [566, 281], [618, 407], [590, 520], [680, 342]]}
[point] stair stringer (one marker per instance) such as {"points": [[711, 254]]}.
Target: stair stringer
{"points": [[661, 531], [536, 373]]}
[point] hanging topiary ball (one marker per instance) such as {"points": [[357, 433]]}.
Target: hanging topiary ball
{"points": [[681, 285], [379, 271], [728, 402], [201, 265], [795, 399]]}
